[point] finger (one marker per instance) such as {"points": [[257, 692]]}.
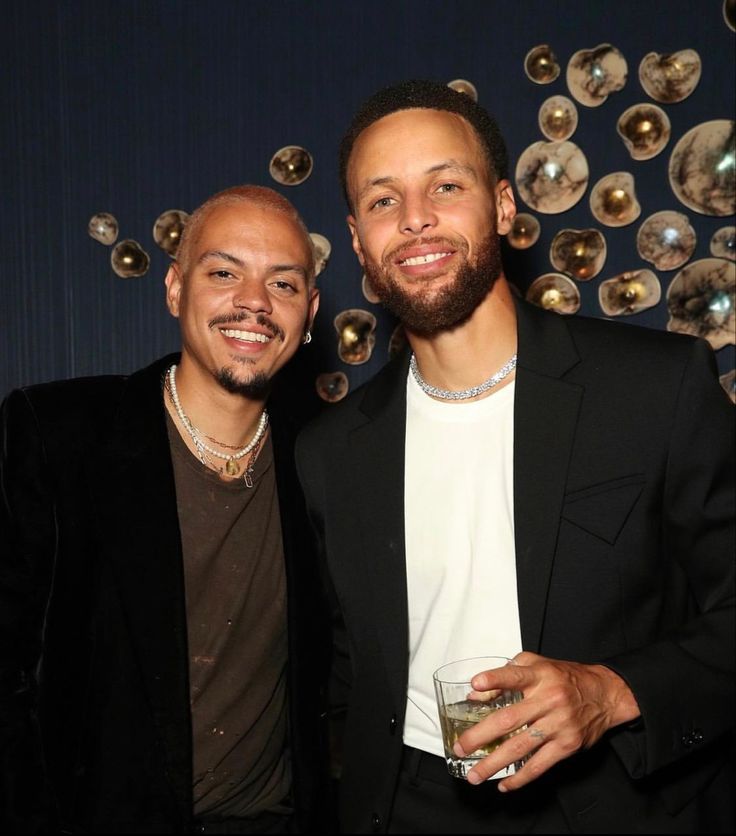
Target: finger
{"points": [[538, 761], [484, 696], [526, 658], [498, 724], [513, 677], [519, 749]]}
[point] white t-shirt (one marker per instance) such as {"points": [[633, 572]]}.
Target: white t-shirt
{"points": [[460, 555]]}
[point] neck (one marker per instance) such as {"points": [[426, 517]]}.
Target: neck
{"points": [[465, 356], [229, 417]]}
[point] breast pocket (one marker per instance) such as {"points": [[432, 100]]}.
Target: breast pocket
{"points": [[603, 509]]}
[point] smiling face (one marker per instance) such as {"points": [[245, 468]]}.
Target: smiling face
{"points": [[245, 300], [427, 216]]}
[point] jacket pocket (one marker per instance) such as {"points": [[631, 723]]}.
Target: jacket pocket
{"points": [[602, 509]]}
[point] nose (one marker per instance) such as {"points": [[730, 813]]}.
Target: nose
{"points": [[417, 215], [252, 295]]}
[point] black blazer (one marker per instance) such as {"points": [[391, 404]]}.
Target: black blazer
{"points": [[95, 727], [623, 504]]}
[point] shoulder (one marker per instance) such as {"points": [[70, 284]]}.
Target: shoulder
{"points": [[74, 405], [646, 368], [332, 422], [64, 401], [386, 389], [629, 349], [589, 330]]}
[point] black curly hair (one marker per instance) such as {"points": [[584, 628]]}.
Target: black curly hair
{"points": [[433, 96]]}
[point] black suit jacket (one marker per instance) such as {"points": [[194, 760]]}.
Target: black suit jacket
{"points": [[95, 728], [624, 527]]}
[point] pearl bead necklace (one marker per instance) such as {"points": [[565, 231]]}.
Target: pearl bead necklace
{"points": [[231, 459]]}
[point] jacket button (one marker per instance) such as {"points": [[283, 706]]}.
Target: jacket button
{"points": [[392, 725], [376, 821]]}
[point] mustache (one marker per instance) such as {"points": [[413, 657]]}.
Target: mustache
{"points": [[244, 316]]}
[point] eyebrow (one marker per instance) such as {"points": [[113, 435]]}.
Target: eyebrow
{"points": [[210, 255], [446, 165], [454, 165], [288, 268]]}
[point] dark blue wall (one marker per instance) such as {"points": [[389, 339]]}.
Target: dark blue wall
{"points": [[136, 107]]}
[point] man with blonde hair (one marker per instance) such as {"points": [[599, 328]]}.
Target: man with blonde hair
{"points": [[160, 624]]}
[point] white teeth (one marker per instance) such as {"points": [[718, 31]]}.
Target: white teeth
{"points": [[423, 259], [245, 336]]}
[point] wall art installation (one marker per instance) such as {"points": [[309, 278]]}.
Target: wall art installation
{"points": [[552, 174]]}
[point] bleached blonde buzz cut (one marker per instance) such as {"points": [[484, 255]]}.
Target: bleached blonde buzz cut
{"points": [[260, 196]]}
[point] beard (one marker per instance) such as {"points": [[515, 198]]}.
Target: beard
{"points": [[256, 388], [426, 313], [259, 385]]}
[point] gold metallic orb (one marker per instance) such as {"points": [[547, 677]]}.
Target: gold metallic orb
{"points": [[558, 118], [593, 74], [613, 199], [554, 292], [103, 227], [581, 253], [291, 165], [666, 239], [723, 243], [702, 168], [551, 177], [129, 260], [368, 291], [322, 249], [645, 130], [168, 228], [701, 299], [356, 336], [671, 77], [332, 386], [729, 14], [630, 292], [540, 65], [397, 341], [524, 232], [464, 86]]}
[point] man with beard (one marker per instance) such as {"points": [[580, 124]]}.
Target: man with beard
{"points": [[161, 626], [556, 490]]}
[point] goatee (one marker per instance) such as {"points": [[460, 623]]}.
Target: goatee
{"points": [[256, 388], [428, 313]]}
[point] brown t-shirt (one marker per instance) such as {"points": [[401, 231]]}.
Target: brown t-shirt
{"points": [[236, 614]]}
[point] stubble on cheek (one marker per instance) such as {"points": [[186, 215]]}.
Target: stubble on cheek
{"points": [[426, 310]]}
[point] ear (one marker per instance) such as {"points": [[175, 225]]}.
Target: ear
{"points": [[173, 282], [353, 227], [313, 306], [505, 207]]}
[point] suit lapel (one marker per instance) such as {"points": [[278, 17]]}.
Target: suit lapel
{"points": [[545, 415], [138, 521], [377, 456]]}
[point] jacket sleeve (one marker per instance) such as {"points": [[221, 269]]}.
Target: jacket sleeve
{"points": [[27, 551], [684, 683]]}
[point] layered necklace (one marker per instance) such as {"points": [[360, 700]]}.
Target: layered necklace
{"points": [[447, 395], [204, 450]]}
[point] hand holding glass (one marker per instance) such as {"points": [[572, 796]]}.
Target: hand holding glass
{"points": [[458, 713]]}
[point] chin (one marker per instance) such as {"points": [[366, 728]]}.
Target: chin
{"points": [[256, 385]]}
